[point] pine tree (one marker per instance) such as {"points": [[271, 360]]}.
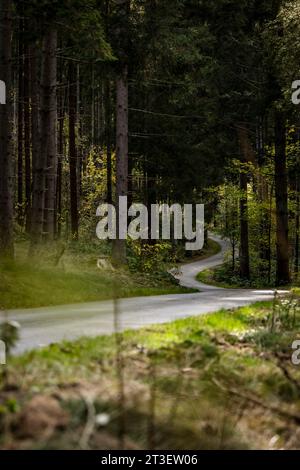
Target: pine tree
{"points": [[6, 152]]}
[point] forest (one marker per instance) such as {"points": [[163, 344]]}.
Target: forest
{"points": [[165, 102]]}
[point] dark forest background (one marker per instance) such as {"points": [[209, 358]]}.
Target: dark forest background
{"points": [[182, 101]]}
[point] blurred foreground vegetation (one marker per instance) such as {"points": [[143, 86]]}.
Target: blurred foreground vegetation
{"points": [[219, 381]]}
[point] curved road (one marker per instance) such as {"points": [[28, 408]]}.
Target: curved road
{"points": [[43, 326]]}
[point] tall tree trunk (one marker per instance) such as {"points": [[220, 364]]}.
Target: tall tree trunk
{"points": [[6, 154], [281, 194], [27, 152], [73, 150], [244, 228], [50, 87], [35, 108], [108, 118], [262, 195], [246, 156], [79, 156], [119, 245], [270, 227], [20, 213], [38, 163], [43, 132], [59, 178], [61, 117]]}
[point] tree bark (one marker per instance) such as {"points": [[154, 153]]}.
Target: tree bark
{"points": [[20, 215], [73, 150], [6, 153], [27, 135], [50, 132], [119, 245], [246, 156], [262, 194], [61, 118], [38, 164], [108, 117], [281, 195], [244, 228], [44, 137]]}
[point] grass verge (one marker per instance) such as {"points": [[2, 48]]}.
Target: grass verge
{"points": [[76, 279], [208, 277], [211, 277], [23, 286]]}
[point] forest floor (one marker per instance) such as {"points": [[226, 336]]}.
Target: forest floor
{"points": [[208, 277], [220, 381], [76, 279], [219, 276]]}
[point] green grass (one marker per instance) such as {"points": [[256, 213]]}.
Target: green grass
{"points": [[155, 336], [191, 366], [22, 286], [207, 277], [211, 277], [76, 279]]}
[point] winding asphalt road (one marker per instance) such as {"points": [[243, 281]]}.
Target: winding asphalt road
{"points": [[43, 326]]}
